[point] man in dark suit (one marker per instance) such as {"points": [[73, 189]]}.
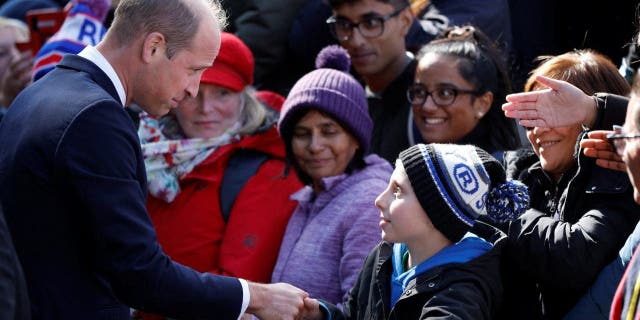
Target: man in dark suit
{"points": [[73, 177]]}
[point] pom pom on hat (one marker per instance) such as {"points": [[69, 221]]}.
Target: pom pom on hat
{"points": [[331, 91], [334, 57], [507, 201], [455, 184]]}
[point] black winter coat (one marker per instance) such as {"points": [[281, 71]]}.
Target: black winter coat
{"points": [[471, 290], [574, 228]]}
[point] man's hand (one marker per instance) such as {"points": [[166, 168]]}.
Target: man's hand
{"points": [[312, 310], [276, 301], [597, 146], [561, 104]]}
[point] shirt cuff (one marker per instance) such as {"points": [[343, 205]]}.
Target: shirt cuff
{"points": [[246, 297], [324, 309]]}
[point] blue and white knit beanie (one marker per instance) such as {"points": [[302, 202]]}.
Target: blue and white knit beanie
{"points": [[457, 183], [82, 26]]}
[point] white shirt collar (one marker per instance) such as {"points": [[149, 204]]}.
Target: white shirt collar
{"points": [[92, 54]]}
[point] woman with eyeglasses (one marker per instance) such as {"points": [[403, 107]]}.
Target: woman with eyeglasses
{"points": [[459, 85], [580, 214]]}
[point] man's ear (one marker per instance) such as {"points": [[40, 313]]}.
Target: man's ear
{"points": [[153, 46], [406, 17], [482, 104]]}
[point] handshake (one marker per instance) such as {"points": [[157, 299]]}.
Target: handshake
{"points": [[281, 301]]}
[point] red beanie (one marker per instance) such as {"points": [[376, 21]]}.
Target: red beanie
{"points": [[233, 68]]}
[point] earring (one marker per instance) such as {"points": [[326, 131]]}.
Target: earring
{"points": [[480, 114]]}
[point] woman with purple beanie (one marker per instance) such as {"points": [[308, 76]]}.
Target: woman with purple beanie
{"points": [[326, 129]]}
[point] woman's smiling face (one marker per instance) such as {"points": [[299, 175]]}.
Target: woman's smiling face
{"points": [[447, 124], [212, 112], [555, 147], [321, 146]]}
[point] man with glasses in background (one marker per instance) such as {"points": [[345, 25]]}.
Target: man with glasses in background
{"points": [[373, 32]]}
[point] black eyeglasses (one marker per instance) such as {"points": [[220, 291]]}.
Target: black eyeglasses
{"points": [[441, 97], [369, 27], [619, 140]]}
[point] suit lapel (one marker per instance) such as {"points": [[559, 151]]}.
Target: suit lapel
{"points": [[75, 62]]}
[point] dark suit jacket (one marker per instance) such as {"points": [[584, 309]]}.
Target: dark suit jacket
{"points": [[73, 190], [14, 301]]}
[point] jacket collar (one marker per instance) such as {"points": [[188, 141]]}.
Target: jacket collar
{"points": [[383, 271], [432, 280], [75, 62]]}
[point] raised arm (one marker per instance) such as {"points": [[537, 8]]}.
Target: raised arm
{"points": [[560, 104]]}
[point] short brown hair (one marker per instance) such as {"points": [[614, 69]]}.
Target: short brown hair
{"points": [[177, 20], [586, 69]]}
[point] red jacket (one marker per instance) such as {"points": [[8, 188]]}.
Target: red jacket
{"points": [[192, 231]]}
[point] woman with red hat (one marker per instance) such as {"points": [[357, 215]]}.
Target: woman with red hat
{"points": [[212, 166]]}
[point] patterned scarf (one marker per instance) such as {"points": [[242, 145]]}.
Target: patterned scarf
{"points": [[169, 156]]}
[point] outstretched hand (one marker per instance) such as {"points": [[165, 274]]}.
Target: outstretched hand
{"points": [[560, 104], [597, 146]]}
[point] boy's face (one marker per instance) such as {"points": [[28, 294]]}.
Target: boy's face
{"points": [[402, 218], [374, 56]]}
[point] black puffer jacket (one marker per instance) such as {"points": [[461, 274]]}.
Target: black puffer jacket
{"points": [[574, 228], [471, 290]]}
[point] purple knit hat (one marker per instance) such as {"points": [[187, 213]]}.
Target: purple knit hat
{"points": [[332, 90]]}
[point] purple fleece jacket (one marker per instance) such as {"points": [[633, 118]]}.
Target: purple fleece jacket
{"points": [[330, 233]]}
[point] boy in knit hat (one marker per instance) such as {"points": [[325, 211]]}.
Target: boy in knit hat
{"points": [[436, 259]]}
